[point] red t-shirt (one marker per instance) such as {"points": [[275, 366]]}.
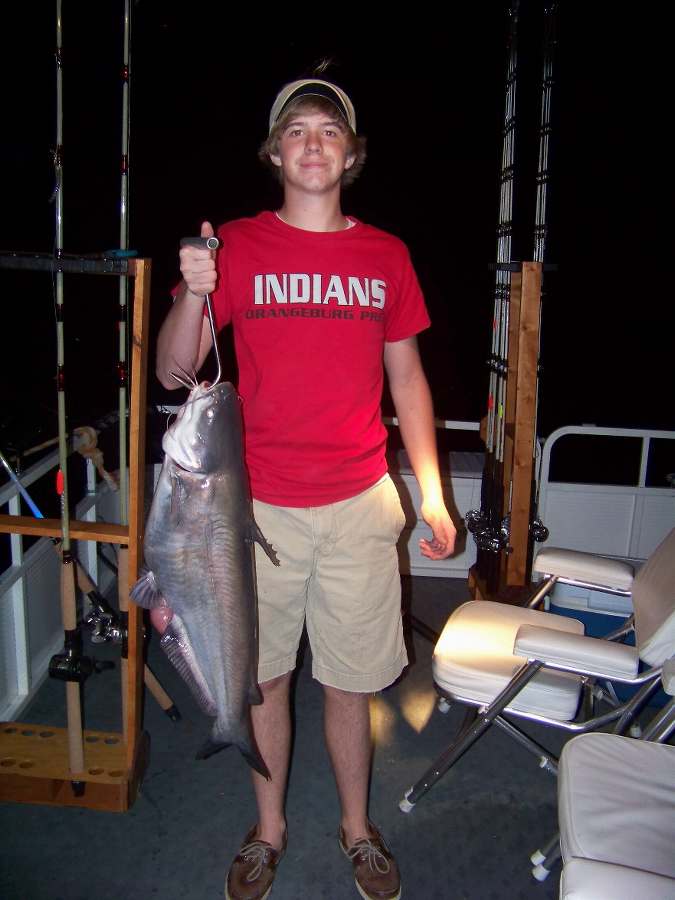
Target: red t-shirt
{"points": [[311, 312]]}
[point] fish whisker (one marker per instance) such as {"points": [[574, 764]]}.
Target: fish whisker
{"points": [[181, 380], [189, 376]]}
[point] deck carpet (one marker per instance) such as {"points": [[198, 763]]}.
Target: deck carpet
{"points": [[468, 839]]}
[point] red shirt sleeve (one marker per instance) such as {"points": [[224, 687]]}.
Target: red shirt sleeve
{"points": [[407, 315]]}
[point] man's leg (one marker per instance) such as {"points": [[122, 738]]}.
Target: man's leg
{"points": [[356, 635], [282, 592], [272, 730], [347, 729], [252, 871], [347, 726]]}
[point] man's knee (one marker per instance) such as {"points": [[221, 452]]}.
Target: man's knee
{"points": [[276, 686], [345, 698]]}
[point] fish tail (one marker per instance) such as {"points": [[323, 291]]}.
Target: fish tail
{"points": [[244, 742]]}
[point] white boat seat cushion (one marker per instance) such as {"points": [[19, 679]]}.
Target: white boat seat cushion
{"points": [[585, 567], [616, 804], [474, 659], [586, 879]]}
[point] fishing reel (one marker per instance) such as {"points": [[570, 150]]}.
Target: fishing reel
{"points": [[485, 536], [104, 622], [71, 665], [487, 539], [539, 531]]}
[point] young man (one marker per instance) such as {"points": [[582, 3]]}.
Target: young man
{"points": [[318, 301]]}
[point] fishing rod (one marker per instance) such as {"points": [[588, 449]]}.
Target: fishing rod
{"points": [[538, 529], [123, 283], [122, 579], [69, 670], [62, 477], [487, 523]]}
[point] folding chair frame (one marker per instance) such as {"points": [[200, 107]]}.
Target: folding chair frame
{"points": [[494, 714]]}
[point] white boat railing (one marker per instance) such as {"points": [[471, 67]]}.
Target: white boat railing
{"points": [[627, 521], [30, 611]]}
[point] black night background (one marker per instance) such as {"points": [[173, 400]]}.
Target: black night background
{"points": [[429, 95]]}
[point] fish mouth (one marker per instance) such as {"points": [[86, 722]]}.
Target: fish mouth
{"points": [[188, 440]]}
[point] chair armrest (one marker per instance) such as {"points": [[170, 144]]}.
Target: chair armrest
{"points": [[573, 565], [577, 651]]}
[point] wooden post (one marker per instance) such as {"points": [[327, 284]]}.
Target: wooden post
{"points": [[519, 437], [137, 419], [518, 569]]}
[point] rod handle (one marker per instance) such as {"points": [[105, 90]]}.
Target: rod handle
{"points": [[209, 243]]}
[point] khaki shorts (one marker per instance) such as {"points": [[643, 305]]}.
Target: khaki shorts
{"points": [[339, 573]]}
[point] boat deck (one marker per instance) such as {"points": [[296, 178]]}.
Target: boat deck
{"points": [[468, 838]]}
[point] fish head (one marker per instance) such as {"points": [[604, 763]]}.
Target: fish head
{"points": [[206, 433]]}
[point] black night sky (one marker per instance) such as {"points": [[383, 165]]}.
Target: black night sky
{"points": [[429, 96]]}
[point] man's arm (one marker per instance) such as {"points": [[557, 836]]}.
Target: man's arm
{"points": [[185, 337], [412, 399]]}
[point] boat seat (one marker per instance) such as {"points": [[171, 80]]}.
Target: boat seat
{"points": [[510, 663], [584, 568], [616, 810], [474, 659]]}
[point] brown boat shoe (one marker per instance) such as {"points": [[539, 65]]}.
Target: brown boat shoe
{"points": [[375, 871], [253, 869]]}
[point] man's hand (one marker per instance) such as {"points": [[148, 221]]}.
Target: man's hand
{"points": [[198, 265], [444, 532]]}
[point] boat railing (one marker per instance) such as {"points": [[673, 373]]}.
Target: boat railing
{"points": [[30, 612], [626, 520]]}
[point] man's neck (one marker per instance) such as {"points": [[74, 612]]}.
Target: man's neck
{"points": [[313, 213]]}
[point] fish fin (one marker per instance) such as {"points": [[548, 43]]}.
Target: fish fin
{"points": [[145, 592], [258, 537], [175, 642], [209, 747], [245, 745], [255, 761], [255, 697]]}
